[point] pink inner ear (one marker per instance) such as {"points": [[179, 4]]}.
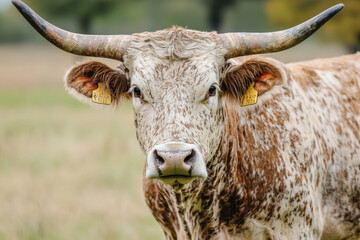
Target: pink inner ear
{"points": [[264, 76], [261, 85], [88, 83]]}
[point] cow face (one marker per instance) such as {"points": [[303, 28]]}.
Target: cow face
{"points": [[175, 94], [177, 115], [175, 90]]}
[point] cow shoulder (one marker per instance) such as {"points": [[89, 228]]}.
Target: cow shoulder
{"points": [[344, 69]]}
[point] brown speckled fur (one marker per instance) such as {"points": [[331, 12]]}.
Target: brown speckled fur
{"points": [[262, 184]]}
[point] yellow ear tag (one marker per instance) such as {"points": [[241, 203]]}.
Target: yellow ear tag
{"points": [[250, 97], [101, 95]]}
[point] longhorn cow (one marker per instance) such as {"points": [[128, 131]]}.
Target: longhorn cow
{"points": [[237, 146]]}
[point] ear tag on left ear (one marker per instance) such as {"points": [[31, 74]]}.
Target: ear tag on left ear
{"points": [[250, 97], [101, 95]]}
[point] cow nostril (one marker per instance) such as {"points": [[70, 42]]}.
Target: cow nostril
{"points": [[159, 160], [189, 158]]}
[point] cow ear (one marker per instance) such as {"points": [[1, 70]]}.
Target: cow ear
{"points": [[83, 79], [240, 73]]}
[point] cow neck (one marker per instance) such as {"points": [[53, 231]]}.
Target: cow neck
{"points": [[231, 193], [250, 173]]}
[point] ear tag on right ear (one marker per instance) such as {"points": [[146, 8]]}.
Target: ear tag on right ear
{"points": [[101, 95], [250, 97]]}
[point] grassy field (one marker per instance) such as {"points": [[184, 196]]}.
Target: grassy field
{"points": [[67, 171]]}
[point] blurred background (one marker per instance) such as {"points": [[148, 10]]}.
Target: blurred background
{"points": [[69, 171]]}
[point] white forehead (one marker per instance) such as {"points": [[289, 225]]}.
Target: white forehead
{"points": [[174, 61], [175, 43], [174, 53], [192, 71], [166, 80]]}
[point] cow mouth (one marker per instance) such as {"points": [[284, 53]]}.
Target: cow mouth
{"points": [[177, 176], [176, 179]]}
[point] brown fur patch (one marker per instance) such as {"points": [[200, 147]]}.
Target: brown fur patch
{"points": [[85, 78], [237, 78]]}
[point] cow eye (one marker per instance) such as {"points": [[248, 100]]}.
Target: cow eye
{"points": [[137, 92], [212, 91]]}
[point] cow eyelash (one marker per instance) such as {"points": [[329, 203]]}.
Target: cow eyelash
{"points": [[136, 92], [212, 91]]}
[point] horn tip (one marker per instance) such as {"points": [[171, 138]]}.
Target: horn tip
{"points": [[338, 7], [16, 2]]}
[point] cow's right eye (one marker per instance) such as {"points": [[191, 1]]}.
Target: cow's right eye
{"points": [[212, 91], [137, 92]]}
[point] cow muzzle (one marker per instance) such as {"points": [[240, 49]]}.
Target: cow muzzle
{"points": [[175, 163]]}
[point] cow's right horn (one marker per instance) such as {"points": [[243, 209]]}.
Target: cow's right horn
{"points": [[108, 46], [240, 44]]}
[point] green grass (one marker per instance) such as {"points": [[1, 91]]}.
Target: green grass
{"points": [[69, 171], [49, 97]]}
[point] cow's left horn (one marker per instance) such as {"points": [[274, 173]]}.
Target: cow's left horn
{"points": [[108, 46], [240, 44]]}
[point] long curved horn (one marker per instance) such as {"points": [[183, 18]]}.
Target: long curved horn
{"points": [[240, 44], [108, 46]]}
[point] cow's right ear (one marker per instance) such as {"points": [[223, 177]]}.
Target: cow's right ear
{"points": [[83, 79], [260, 72]]}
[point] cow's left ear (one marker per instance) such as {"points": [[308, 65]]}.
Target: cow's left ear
{"points": [[240, 73], [83, 79]]}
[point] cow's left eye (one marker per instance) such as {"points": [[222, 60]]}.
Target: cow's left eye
{"points": [[137, 92], [212, 91]]}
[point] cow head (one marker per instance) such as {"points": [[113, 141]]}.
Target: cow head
{"points": [[176, 79], [174, 84]]}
